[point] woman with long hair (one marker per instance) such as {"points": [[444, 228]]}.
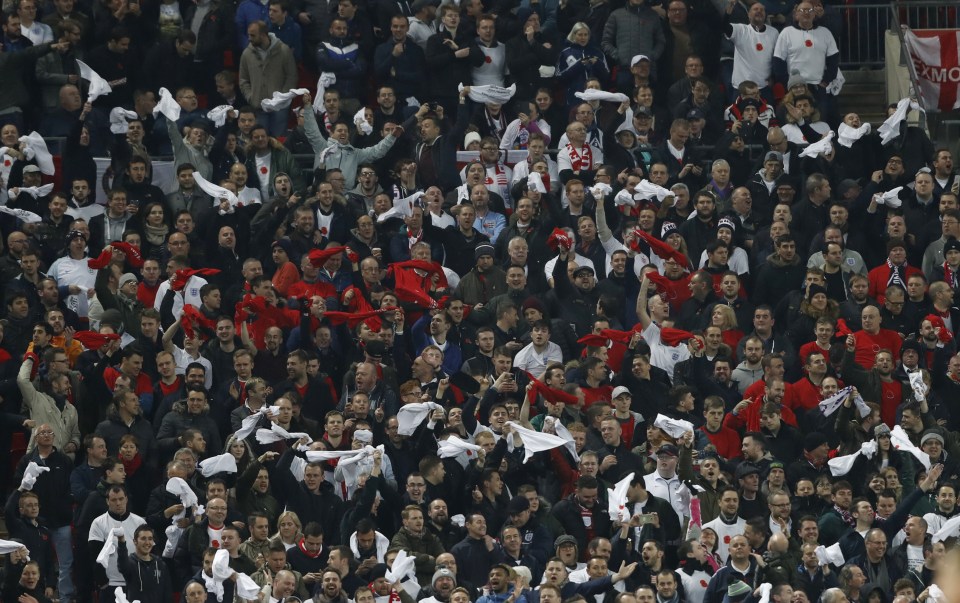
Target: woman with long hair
{"points": [[289, 530], [154, 228]]}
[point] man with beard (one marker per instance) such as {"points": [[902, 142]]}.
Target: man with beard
{"points": [[439, 523], [330, 588]]}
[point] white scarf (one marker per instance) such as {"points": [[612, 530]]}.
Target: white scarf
{"points": [[37, 191], [277, 433], [490, 93], [890, 129], [617, 500], [601, 95], [246, 588], [30, 475], [948, 529], [167, 105], [847, 135], [326, 80], [35, 147], [27, 217], [217, 192], [410, 416], [382, 544], [10, 546], [891, 198], [453, 446], [534, 441], [765, 589], [842, 465], [821, 147], [535, 182], [675, 428], [648, 190], [120, 597]]}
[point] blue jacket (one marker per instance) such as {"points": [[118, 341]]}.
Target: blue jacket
{"points": [[290, 34], [572, 71], [248, 12], [344, 58]]}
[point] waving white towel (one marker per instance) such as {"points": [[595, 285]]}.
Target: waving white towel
{"points": [[847, 135], [403, 567], [934, 593], [182, 490], [617, 500], [28, 217], [363, 435], [534, 441], [37, 191], [167, 105], [277, 433], [222, 463], [861, 406], [624, 198], [315, 456], [35, 147], [249, 424], [535, 182], [10, 546], [215, 191], [901, 441], [30, 475], [221, 571], [601, 95], [98, 86], [326, 80], [281, 100], [564, 433], [833, 403], [410, 416], [188, 498], [109, 547], [120, 597], [352, 466], [674, 428], [600, 190], [765, 589], [218, 115], [890, 128], [490, 94], [360, 120], [402, 208], [842, 465], [453, 446], [649, 190], [297, 467], [831, 555], [821, 147], [891, 198], [949, 528], [118, 120]]}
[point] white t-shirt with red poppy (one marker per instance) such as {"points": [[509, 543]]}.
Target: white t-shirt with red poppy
{"points": [[725, 531]]}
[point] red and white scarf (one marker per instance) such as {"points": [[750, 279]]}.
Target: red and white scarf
{"points": [[949, 276], [582, 159], [497, 177]]}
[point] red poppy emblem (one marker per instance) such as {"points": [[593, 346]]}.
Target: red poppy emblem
{"points": [[215, 544], [7, 162], [323, 231], [263, 170], [759, 47], [703, 583], [487, 60], [726, 540], [809, 43]]}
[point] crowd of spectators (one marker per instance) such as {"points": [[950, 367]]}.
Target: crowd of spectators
{"points": [[503, 302]]}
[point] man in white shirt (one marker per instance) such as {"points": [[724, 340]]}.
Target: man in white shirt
{"points": [[101, 533], [540, 352], [753, 45]]}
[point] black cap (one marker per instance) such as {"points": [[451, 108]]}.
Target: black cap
{"points": [[813, 289], [814, 440], [375, 348], [517, 505], [695, 114], [583, 269], [951, 245], [668, 450], [745, 469]]}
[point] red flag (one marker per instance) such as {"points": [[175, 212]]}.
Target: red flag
{"points": [[623, 337], [596, 341], [663, 250], [842, 329], [101, 261], [184, 274], [416, 296], [559, 239], [944, 335], [93, 340], [319, 257], [672, 337], [549, 393], [659, 280], [404, 274], [134, 257], [352, 319]]}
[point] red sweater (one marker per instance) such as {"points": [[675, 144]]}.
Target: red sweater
{"points": [[809, 348], [758, 388], [726, 440], [868, 345], [750, 417]]}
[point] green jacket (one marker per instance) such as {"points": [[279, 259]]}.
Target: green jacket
{"points": [[426, 548]]}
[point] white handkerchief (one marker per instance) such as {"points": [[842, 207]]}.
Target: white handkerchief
{"points": [[674, 428], [842, 465], [918, 386], [363, 435], [831, 555], [861, 406], [249, 424], [10, 546], [490, 94], [846, 135], [222, 463], [901, 441], [98, 86], [109, 547], [30, 475], [246, 588], [360, 120], [934, 592], [567, 437], [402, 208], [221, 571], [601, 95], [453, 446], [218, 115], [35, 147], [326, 80], [167, 105], [648, 190], [410, 416], [821, 147], [600, 189], [281, 100], [535, 182], [535, 441], [891, 198], [27, 217], [617, 500], [118, 120]]}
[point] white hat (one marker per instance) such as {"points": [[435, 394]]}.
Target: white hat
{"points": [[469, 138], [619, 391], [637, 58]]}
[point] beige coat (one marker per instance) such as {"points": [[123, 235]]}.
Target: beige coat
{"points": [[42, 409], [264, 72]]}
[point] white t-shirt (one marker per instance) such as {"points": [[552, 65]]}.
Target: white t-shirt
{"points": [[528, 359], [725, 532], [662, 355], [189, 294], [752, 53], [806, 51], [100, 532]]}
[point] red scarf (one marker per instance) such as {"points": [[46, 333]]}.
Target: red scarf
{"points": [[950, 276], [131, 466], [580, 161], [304, 550]]}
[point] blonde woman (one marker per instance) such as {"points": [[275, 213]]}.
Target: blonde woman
{"points": [[289, 530]]}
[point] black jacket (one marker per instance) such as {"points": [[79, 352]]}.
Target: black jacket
{"points": [[567, 512], [147, 581]]}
